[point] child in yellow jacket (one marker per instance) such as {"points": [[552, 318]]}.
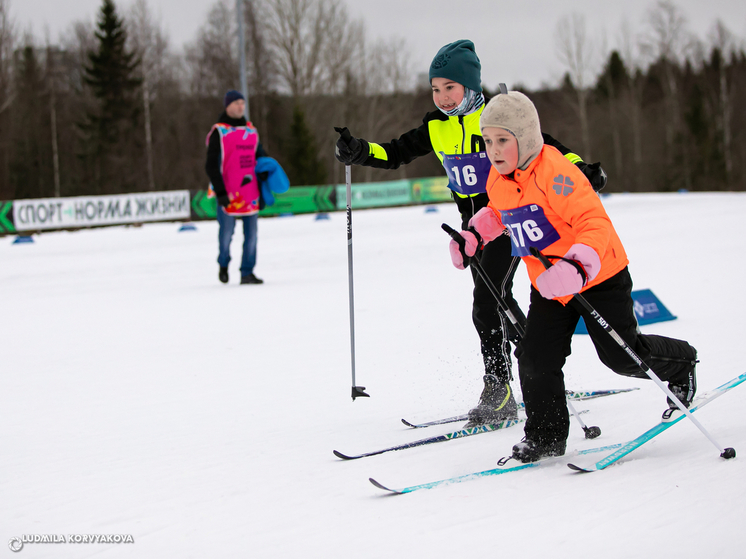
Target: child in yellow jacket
{"points": [[543, 201]]}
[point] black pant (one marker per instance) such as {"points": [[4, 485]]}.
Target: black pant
{"points": [[493, 327], [499, 265], [546, 344]]}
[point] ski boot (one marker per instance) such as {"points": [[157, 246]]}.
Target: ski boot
{"points": [[496, 404], [684, 389], [531, 451]]}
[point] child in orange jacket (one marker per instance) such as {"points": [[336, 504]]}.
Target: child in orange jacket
{"points": [[542, 200]]}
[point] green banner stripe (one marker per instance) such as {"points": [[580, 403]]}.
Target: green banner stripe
{"points": [[6, 223], [203, 207], [328, 198]]}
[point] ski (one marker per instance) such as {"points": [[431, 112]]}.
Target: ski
{"points": [[430, 440], [440, 438], [452, 419], [591, 394], [572, 395], [504, 467], [670, 418]]}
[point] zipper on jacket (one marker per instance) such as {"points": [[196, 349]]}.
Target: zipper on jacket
{"points": [[463, 132]]}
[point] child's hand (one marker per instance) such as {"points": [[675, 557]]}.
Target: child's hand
{"points": [[350, 150], [594, 173], [559, 280], [565, 278], [462, 252], [488, 224]]}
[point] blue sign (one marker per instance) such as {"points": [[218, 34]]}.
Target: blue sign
{"points": [[648, 309]]}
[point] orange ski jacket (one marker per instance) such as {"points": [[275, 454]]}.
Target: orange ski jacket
{"points": [[552, 206]]}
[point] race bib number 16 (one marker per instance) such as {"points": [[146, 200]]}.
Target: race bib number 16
{"points": [[468, 172], [529, 227]]}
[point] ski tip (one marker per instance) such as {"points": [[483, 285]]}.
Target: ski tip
{"points": [[408, 424], [575, 468], [392, 491], [343, 456]]}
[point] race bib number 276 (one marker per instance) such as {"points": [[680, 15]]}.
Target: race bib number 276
{"points": [[529, 227]]}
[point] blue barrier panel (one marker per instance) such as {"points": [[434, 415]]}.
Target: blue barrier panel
{"points": [[648, 309]]}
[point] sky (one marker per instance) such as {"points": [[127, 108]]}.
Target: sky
{"points": [[499, 29], [140, 396]]}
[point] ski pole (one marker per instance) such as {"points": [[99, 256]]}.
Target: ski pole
{"points": [[724, 452], [590, 432], [491, 286], [357, 391]]}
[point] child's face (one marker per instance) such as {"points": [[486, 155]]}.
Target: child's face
{"points": [[502, 149], [447, 94]]}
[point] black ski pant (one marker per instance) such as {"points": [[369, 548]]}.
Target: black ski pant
{"points": [[546, 345], [494, 329]]}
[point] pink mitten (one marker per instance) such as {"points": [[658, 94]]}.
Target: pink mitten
{"points": [[586, 257], [488, 224], [470, 249], [563, 278], [559, 280]]}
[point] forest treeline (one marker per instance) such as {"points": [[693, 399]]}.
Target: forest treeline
{"points": [[113, 108]]}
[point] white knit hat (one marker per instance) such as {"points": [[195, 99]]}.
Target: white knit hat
{"points": [[515, 113]]}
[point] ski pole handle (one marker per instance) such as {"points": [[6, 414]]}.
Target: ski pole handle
{"points": [[453, 233], [460, 241], [543, 259]]}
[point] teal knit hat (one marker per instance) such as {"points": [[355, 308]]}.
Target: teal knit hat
{"points": [[459, 62]]}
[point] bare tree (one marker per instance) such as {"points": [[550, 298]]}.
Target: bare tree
{"points": [[312, 41], [377, 82], [576, 51], [7, 45], [150, 43], [633, 62], [52, 78], [261, 67], [666, 42], [723, 40], [212, 59]]}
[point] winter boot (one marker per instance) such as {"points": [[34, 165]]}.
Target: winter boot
{"points": [[531, 451], [251, 278], [223, 274], [496, 404], [684, 389]]}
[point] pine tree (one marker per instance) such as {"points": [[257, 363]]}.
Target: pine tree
{"points": [[304, 167], [111, 75]]}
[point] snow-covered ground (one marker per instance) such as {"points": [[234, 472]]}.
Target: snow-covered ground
{"points": [[142, 397]]}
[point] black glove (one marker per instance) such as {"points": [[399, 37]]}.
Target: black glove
{"points": [[223, 200], [349, 150], [262, 178], [594, 173]]}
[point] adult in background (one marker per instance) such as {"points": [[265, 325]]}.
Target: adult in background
{"points": [[232, 151]]}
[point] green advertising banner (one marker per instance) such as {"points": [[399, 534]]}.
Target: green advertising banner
{"points": [[375, 194], [426, 191], [6, 218], [203, 207], [297, 200]]}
